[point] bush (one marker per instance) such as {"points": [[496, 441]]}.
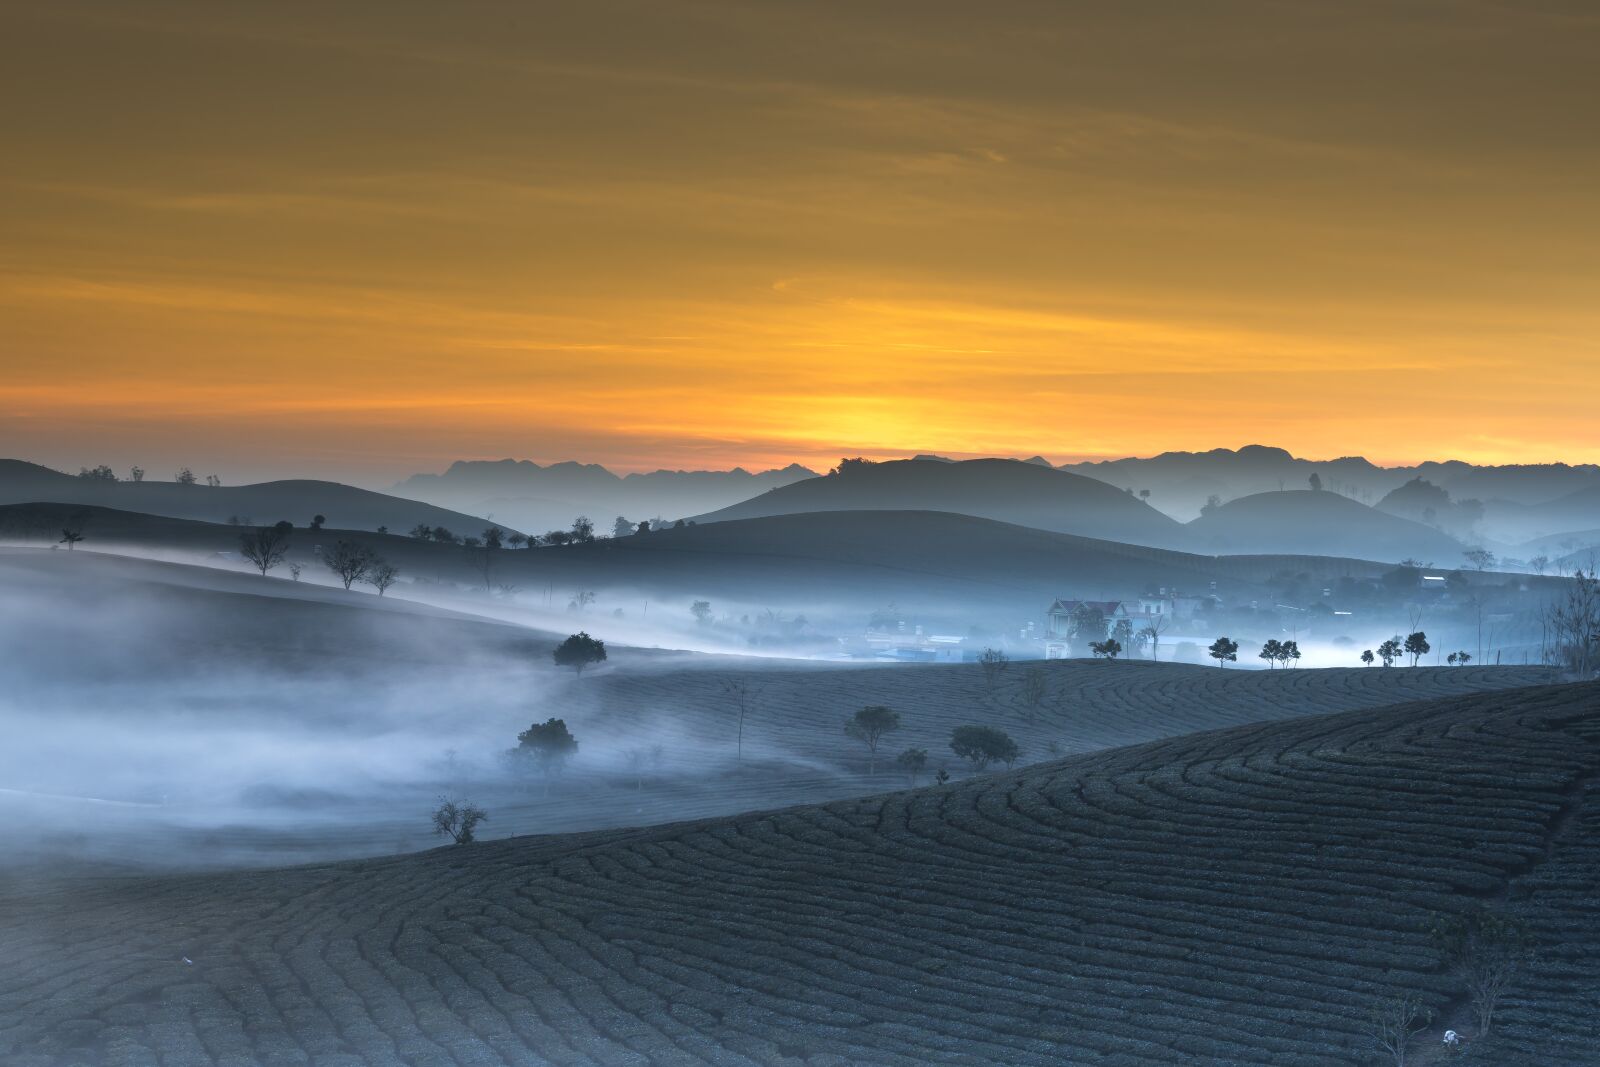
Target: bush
{"points": [[458, 820], [578, 651], [983, 745]]}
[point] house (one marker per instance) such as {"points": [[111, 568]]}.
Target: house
{"points": [[1061, 612]]}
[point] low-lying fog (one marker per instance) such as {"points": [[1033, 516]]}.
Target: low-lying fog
{"points": [[157, 714]]}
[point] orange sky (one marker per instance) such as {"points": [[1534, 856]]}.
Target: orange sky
{"points": [[273, 238]]}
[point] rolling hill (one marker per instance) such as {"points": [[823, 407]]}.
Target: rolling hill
{"points": [[535, 497], [1020, 493], [954, 566], [1568, 514], [1235, 897], [1319, 524], [344, 506]]}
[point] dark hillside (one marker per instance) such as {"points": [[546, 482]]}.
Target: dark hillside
{"points": [[1235, 897]]}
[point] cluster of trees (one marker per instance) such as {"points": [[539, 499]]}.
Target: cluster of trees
{"points": [[1573, 625], [1483, 951], [1280, 653], [1414, 644], [103, 473], [979, 745]]}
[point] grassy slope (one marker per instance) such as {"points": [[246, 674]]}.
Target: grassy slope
{"points": [[1227, 897]]}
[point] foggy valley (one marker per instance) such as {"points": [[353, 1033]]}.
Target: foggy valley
{"points": [[799, 535]]}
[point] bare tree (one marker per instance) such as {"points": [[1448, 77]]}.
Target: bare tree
{"points": [[1153, 631], [349, 562], [458, 820], [382, 575], [994, 663], [265, 546], [1395, 1020], [1574, 625], [1035, 687], [1480, 558], [743, 693]]}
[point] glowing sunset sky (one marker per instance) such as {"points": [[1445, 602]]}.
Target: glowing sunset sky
{"points": [[372, 238]]}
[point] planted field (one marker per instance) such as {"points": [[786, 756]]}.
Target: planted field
{"points": [[1051, 708], [1240, 896]]}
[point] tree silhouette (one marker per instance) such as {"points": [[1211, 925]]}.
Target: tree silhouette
{"points": [[913, 760], [994, 663], [579, 651], [1389, 651], [549, 744], [1367, 657], [1270, 652], [349, 562], [983, 745], [1224, 650], [265, 546], [382, 575], [458, 820], [868, 726], [70, 537], [1417, 646]]}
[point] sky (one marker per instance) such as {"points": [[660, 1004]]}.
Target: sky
{"points": [[368, 239]]}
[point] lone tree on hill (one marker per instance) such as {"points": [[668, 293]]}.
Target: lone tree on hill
{"points": [[578, 651], [382, 575], [1367, 657], [186, 477], [1316, 482], [868, 726], [701, 610], [994, 663], [1480, 558], [1417, 646], [1224, 650], [1270, 652], [1389, 651], [265, 546], [913, 760], [982, 745], [350, 562], [458, 820], [317, 521], [743, 692], [549, 744], [1485, 951], [70, 536], [1107, 649]]}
